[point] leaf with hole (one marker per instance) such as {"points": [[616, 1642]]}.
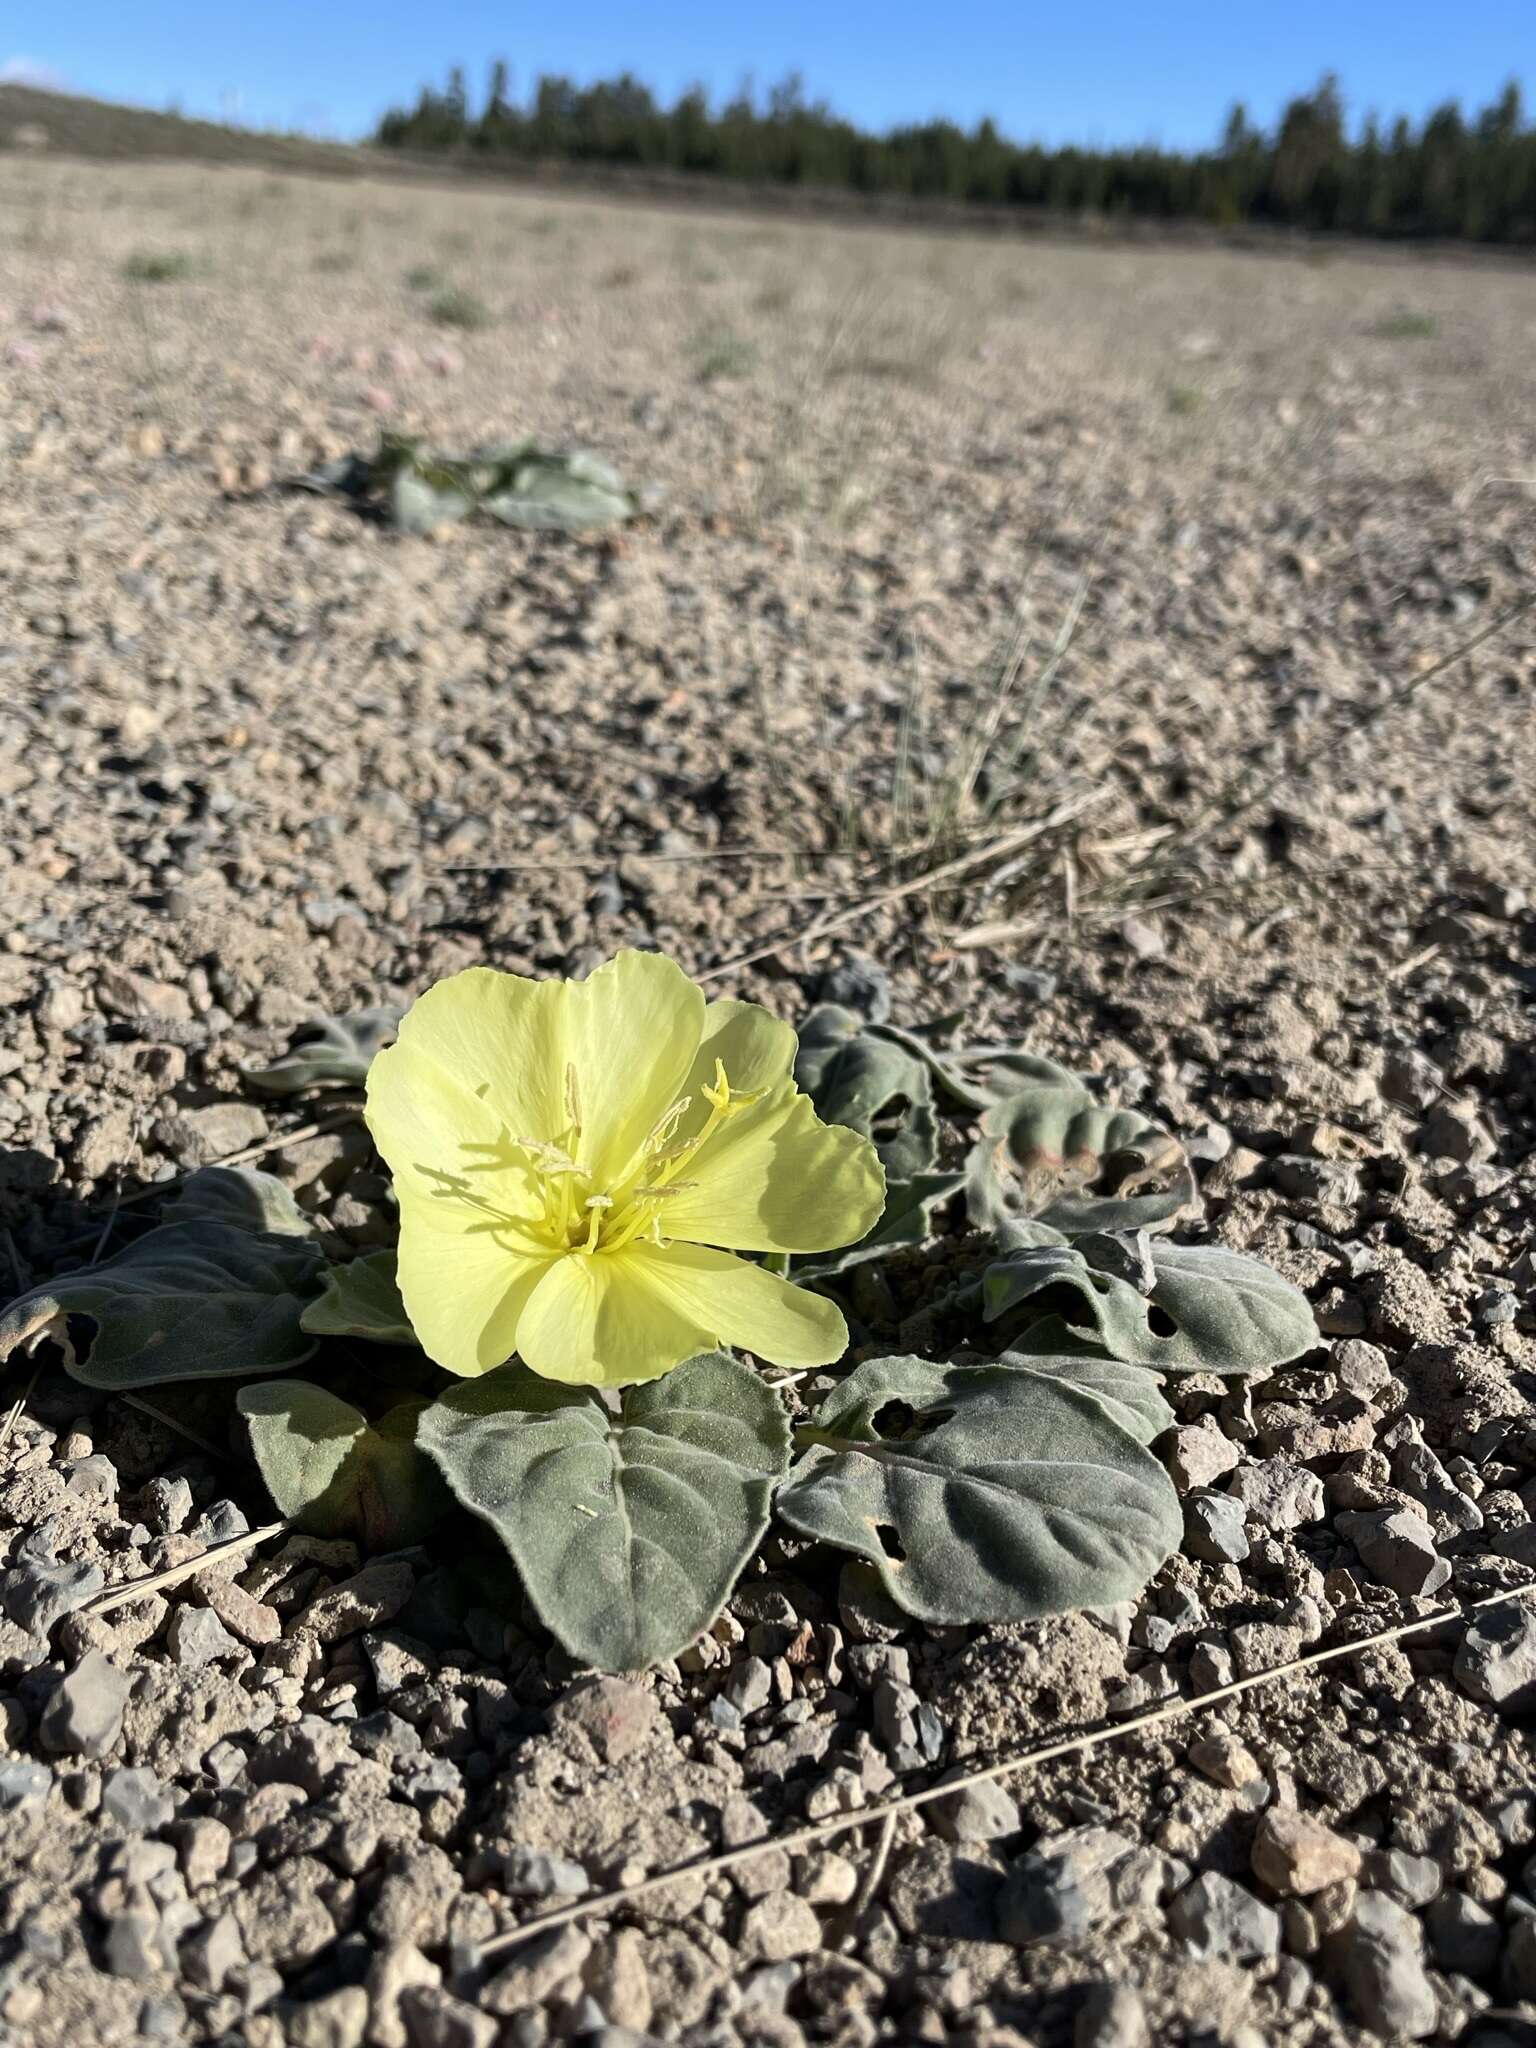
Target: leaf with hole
{"points": [[333, 1052], [858, 1078], [628, 1530], [361, 1299], [1053, 1153], [1207, 1309], [186, 1301], [334, 1473], [987, 1493], [240, 1196]]}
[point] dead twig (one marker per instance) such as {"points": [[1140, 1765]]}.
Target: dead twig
{"points": [[173, 1575], [1071, 1745]]}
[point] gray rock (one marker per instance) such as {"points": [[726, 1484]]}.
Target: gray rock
{"points": [[1398, 1549], [23, 1784], [1278, 1494], [35, 1595], [221, 1523], [84, 1716], [375, 1594], [1219, 1918], [197, 1637], [1050, 1898], [131, 1945], [166, 1504], [1215, 1528], [1496, 1661], [434, 2018], [93, 1478], [1377, 1961], [1111, 2016], [539, 1874], [1412, 1880], [1417, 1471], [135, 1801], [1518, 1974], [1463, 1935], [976, 1813], [750, 1686]]}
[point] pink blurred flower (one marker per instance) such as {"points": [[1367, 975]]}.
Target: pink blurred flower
{"points": [[49, 319], [447, 362], [23, 354], [376, 398]]}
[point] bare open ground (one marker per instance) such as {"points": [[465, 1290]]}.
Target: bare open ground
{"points": [[956, 539]]}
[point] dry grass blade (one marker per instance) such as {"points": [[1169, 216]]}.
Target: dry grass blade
{"points": [[933, 878], [173, 1575], [247, 1153], [1071, 1745], [193, 1436]]}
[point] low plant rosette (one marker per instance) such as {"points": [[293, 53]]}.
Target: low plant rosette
{"points": [[619, 1201]]}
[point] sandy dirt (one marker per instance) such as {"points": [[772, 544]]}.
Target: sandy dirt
{"points": [[1206, 518]]}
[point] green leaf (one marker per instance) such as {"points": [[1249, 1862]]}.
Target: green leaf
{"points": [[186, 1301], [1204, 1309], [856, 1077], [628, 1530], [570, 493], [1002, 1068], [905, 1220], [240, 1196], [336, 1474], [418, 506], [1134, 1400], [333, 1052], [1053, 1153], [361, 1299], [987, 1493]]}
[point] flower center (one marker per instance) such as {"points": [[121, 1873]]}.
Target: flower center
{"points": [[582, 1216]]}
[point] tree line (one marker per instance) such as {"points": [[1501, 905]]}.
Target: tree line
{"points": [[1473, 178]]}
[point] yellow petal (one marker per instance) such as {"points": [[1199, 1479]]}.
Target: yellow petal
{"points": [[632, 1034], [731, 1302], [479, 1061], [775, 1178], [586, 1325], [464, 1287], [758, 1048]]}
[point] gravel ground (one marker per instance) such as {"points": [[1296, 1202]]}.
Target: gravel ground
{"points": [[250, 747]]}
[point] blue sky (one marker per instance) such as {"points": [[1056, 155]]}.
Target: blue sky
{"points": [[1106, 71]]}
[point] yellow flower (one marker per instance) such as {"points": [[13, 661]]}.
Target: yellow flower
{"points": [[576, 1161]]}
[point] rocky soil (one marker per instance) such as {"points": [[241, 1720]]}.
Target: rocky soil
{"points": [[261, 760]]}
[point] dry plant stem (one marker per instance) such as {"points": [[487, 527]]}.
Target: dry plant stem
{"points": [[1071, 1745], [934, 878], [13, 1413], [204, 1443], [136, 1589], [1229, 806], [317, 1129]]}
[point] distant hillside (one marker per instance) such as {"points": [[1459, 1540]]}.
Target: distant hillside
{"points": [[73, 126]]}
